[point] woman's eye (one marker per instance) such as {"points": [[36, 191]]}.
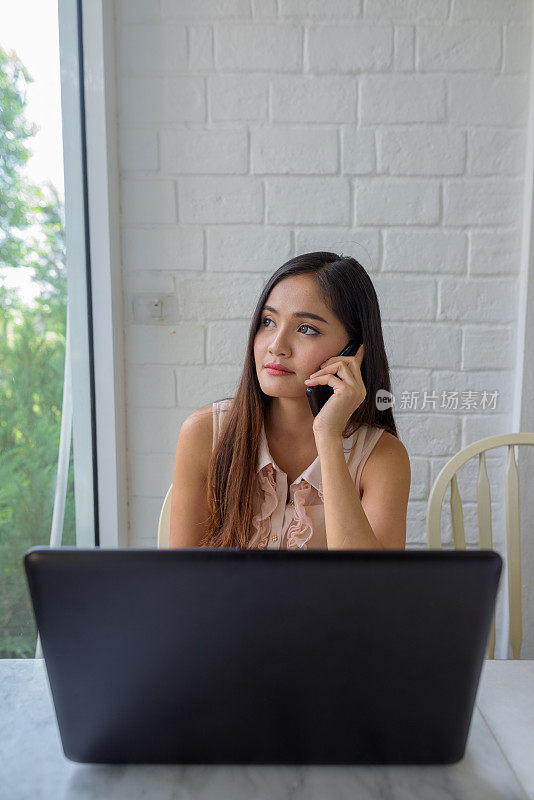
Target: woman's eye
{"points": [[315, 332]]}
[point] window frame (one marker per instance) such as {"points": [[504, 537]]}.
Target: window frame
{"points": [[86, 38]]}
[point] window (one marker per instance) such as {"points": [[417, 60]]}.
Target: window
{"points": [[47, 475]]}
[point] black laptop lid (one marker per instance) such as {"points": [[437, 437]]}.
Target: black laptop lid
{"points": [[211, 656]]}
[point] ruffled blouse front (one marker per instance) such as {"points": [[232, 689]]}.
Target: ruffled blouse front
{"points": [[268, 500], [300, 529]]}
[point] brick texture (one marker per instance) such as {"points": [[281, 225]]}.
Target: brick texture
{"points": [[251, 131]]}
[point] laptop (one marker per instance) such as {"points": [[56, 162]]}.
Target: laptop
{"points": [[232, 656]]}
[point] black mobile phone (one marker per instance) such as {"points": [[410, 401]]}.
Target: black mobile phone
{"points": [[318, 395]]}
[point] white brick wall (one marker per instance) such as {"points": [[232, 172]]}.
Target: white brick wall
{"points": [[253, 130]]}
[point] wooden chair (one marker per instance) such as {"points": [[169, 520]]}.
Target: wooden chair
{"points": [[513, 537], [164, 523]]}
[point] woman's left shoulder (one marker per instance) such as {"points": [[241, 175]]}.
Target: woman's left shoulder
{"points": [[388, 452], [389, 444]]}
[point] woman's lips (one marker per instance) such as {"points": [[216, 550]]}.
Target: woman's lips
{"points": [[277, 371]]}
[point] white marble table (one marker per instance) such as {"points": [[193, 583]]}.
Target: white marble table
{"points": [[498, 761]]}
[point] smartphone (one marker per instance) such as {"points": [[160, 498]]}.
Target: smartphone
{"points": [[318, 395]]}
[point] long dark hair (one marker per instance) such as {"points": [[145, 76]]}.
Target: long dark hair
{"points": [[345, 288]]}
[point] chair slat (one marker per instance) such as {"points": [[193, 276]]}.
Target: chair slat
{"points": [[513, 549], [484, 527], [457, 516]]}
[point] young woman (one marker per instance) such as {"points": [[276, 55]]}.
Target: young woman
{"points": [[258, 470]]}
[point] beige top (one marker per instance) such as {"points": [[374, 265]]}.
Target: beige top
{"points": [[300, 523]]}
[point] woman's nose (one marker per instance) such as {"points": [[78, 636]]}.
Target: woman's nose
{"points": [[278, 345]]}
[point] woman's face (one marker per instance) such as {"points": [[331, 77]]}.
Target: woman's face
{"points": [[300, 343]]}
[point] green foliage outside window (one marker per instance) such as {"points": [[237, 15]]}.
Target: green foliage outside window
{"points": [[32, 360]]}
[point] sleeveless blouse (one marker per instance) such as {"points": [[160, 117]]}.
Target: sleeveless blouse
{"points": [[299, 524]]}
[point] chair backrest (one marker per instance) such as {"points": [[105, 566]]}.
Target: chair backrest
{"points": [[164, 524], [513, 537]]}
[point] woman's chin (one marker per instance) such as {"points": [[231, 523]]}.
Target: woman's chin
{"points": [[271, 392]]}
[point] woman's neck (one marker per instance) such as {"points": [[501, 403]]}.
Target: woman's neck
{"points": [[290, 419]]}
